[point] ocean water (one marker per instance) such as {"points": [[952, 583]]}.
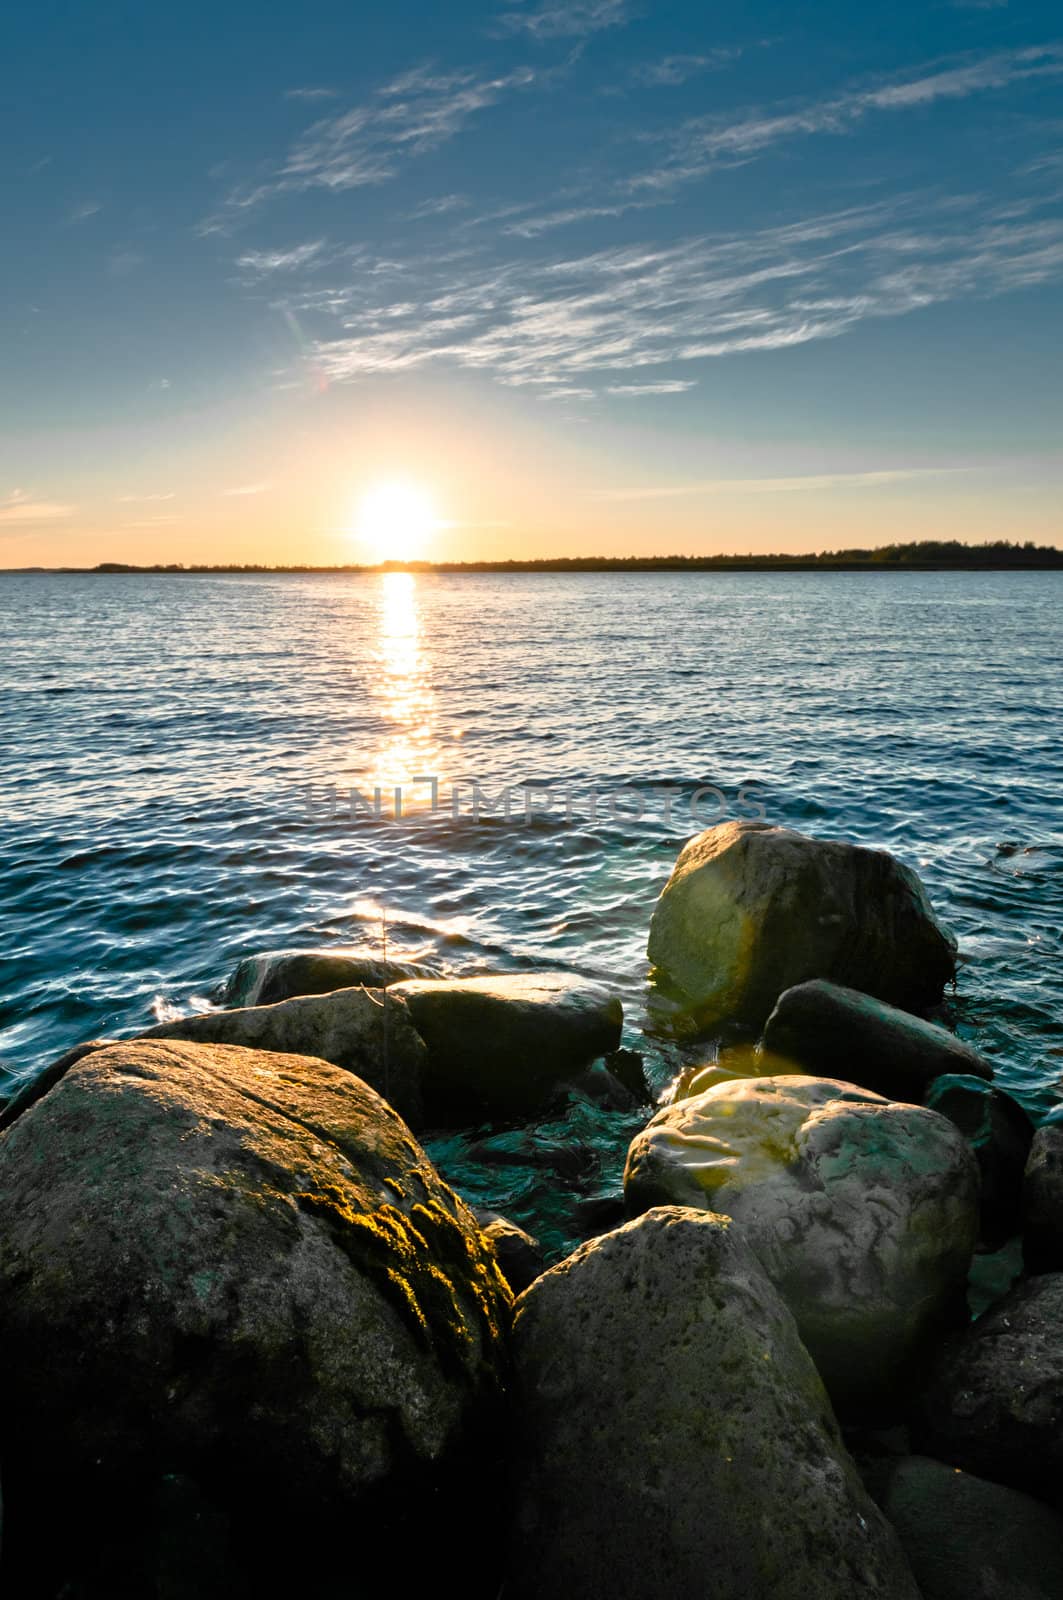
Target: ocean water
{"points": [[179, 752]]}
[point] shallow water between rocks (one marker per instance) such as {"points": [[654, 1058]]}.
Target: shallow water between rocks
{"points": [[156, 823]]}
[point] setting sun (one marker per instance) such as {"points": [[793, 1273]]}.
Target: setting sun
{"points": [[396, 521]]}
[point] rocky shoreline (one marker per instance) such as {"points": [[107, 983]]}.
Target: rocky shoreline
{"points": [[252, 1339]]}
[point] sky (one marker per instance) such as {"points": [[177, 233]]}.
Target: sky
{"points": [[537, 278]]}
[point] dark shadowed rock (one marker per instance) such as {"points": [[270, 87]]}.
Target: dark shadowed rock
{"points": [[966, 1538], [1000, 1134], [862, 1211], [751, 910], [263, 980], [367, 1032], [501, 1046], [236, 1268], [833, 1032], [994, 1403], [1042, 1201], [520, 1256], [672, 1437]]}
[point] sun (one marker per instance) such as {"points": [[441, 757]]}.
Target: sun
{"points": [[396, 521]]}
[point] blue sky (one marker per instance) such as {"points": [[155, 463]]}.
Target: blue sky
{"points": [[597, 275]]}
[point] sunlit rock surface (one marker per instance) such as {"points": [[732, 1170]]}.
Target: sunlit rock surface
{"points": [[672, 1437], [834, 1032], [994, 1402], [751, 910], [367, 1032], [863, 1212], [263, 980], [966, 1538], [238, 1267], [501, 1045]]}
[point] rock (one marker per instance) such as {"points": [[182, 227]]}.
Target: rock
{"points": [[862, 1211], [994, 1401], [501, 1046], [262, 980], [967, 1539], [1000, 1134], [672, 1438], [1042, 1201], [751, 910], [833, 1032], [733, 1064], [367, 1032], [238, 1267], [519, 1254]]}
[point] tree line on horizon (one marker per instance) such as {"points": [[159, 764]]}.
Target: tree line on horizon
{"points": [[1000, 554]]}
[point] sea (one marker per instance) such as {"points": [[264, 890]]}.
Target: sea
{"points": [[495, 773]]}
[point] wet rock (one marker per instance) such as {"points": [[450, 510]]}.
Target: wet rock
{"points": [[519, 1254], [966, 1538], [733, 1064], [1000, 1134], [863, 1212], [240, 1268], [752, 910], [672, 1437], [994, 1402], [833, 1032], [629, 1066], [367, 1032], [1042, 1201], [501, 1046], [263, 980]]}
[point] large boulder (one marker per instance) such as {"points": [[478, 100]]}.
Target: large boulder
{"points": [[1042, 1200], [834, 1032], [263, 980], [994, 1401], [501, 1046], [751, 910], [672, 1437], [236, 1269], [365, 1031], [863, 1212], [966, 1538], [1000, 1133]]}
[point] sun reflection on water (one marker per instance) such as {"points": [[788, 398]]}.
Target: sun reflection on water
{"points": [[406, 700]]}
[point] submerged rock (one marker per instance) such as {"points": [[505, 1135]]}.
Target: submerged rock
{"points": [[238, 1267], [863, 1212], [672, 1437], [263, 980], [966, 1538], [366, 1032], [1042, 1201], [834, 1032], [501, 1046], [994, 1403], [1000, 1134], [752, 910]]}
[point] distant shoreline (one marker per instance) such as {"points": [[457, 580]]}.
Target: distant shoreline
{"points": [[924, 557]]}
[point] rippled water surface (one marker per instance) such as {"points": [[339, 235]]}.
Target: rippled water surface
{"points": [[161, 734]]}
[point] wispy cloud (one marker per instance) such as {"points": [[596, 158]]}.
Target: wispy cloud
{"points": [[263, 263], [808, 484], [21, 507], [243, 489], [703, 142], [438, 206], [144, 499], [674, 70], [606, 315], [406, 118], [83, 211], [565, 19], [312, 92], [633, 391]]}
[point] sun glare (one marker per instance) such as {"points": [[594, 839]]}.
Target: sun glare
{"points": [[396, 521]]}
